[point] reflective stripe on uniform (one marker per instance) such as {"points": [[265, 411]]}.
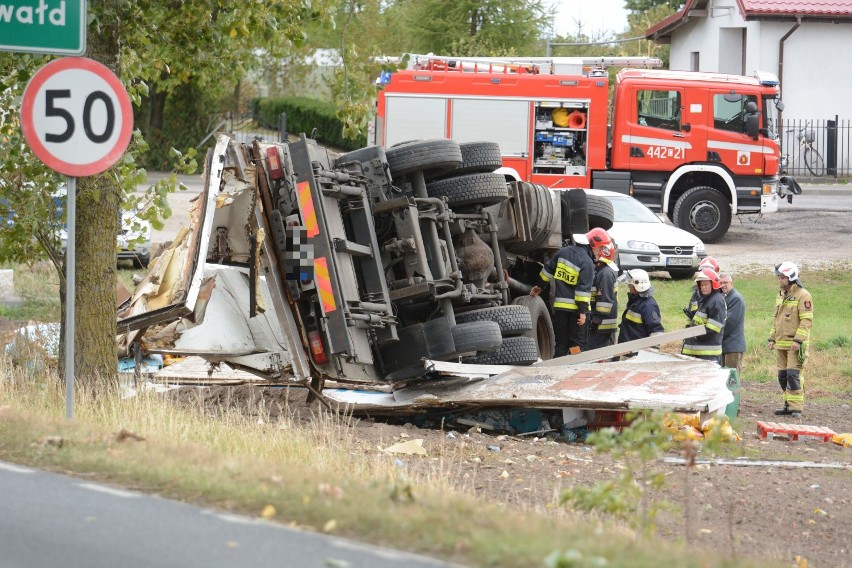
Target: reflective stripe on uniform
{"points": [[635, 317], [714, 325], [545, 275], [580, 296], [608, 324], [603, 307], [565, 304], [693, 349]]}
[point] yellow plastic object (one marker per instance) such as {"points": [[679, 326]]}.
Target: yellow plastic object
{"points": [[560, 117], [726, 431], [844, 440]]}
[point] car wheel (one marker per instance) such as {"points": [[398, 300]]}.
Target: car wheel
{"points": [[704, 212], [141, 261]]}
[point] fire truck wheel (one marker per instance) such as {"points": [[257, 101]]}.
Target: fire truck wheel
{"points": [[473, 189], [704, 212], [600, 212], [478, 336], [521, 350], [513, 320], [542, 326], [432, 157], [478, 158]]}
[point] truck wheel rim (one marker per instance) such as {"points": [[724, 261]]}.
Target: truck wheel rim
{"points": [[704, 217]]}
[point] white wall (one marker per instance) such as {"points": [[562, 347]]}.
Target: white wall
{"points": [[817, 75]]}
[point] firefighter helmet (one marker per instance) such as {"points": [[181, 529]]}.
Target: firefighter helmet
{"points": [[639, 278], [708, 275], [788, 269], [598, 238], [709, 262]]}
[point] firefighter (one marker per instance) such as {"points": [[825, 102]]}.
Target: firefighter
{"points": [[604, 307], [641, 317], [692, 306], [573, 270], [794, 316], [733, 338], [711, 312]]}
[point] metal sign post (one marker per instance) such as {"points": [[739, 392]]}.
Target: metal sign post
{"points": [[70, 293], [77, 118]]}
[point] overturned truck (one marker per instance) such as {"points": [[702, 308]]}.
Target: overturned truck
{"points": [[364, 268]]}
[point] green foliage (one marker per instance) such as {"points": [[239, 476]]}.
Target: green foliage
{"points": [[645, 5], [626, 495], [304, 115]]}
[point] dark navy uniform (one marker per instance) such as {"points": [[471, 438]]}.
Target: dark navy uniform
{"points": [[573, 271], [641, 317], [604, 307], [712, 313]]}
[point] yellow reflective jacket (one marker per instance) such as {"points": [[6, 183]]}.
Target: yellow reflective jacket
{"points": [[794, 316]]}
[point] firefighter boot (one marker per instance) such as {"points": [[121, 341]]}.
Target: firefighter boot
{"points": [[795, 395], [782, 380]]}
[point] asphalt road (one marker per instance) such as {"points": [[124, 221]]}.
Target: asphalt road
{"points": [[48, 519]]}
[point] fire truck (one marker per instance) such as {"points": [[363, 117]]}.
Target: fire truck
{"points": [[698, 147]]}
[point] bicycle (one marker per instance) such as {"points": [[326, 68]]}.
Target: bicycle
{"points": [[814, 161]]}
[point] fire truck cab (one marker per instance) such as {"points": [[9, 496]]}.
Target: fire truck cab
{"points": [[698, 147]]}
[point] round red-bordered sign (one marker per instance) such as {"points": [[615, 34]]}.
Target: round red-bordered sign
{"points": [[76, 116]]}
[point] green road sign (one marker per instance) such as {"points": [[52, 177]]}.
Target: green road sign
{"points": [[43, 26]]}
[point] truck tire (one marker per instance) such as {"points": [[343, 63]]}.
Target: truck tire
{"points": [[432, 157], [478, 158], [704, 212], [601, 213], [542, 325], [574, 213], [472, 189], [478, 336], [513, 320], [521, 350]]}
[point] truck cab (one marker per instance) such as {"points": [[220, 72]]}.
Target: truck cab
{"points": [[686, 140]]}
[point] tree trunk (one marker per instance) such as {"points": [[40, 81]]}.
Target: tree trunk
{"points": [[157, 102], [98, 201]]}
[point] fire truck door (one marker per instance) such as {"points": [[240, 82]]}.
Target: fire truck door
{"points": [[662, 136], [728, 141]]}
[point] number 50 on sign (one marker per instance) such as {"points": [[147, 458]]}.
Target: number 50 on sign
{"points": [[76, 116]]}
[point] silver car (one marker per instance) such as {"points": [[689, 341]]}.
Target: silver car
{"points": [[645, 241]]}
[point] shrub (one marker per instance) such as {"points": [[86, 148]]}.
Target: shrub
{"points": [[304, 115]]}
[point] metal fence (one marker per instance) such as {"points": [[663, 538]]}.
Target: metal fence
{"points": [[817, 148]]}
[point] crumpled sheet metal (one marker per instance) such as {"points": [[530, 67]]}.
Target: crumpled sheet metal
{"points": [[684, 386]]}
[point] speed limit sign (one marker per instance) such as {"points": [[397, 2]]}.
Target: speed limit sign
{"points": [[76, 116]]}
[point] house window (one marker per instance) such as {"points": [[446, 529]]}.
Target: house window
{"points": [[694, 61], [731, 115], [660, 109]]}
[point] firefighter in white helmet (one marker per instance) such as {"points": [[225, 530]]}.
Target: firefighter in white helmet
{"points": [[794, 316], [641, 317]]}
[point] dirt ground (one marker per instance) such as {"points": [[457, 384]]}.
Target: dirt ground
{"points": [[761, 511], [767, 511]]}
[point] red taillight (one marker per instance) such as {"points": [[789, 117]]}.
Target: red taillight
{"points": [[317, 348], [274, 163]]}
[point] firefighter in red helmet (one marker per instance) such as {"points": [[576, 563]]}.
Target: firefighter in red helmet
{"points": [[603, 312], [711, 312]]}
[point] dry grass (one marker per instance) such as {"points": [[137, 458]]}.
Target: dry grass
{"points": [[312, 473]]}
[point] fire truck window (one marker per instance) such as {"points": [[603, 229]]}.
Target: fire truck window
{"points": [[731, 115], [660, 109]]}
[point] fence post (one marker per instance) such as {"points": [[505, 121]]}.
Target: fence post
{"points": [[282, 127], [831, 148]]}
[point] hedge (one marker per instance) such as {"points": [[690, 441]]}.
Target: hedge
{"points": [[303, 115]]}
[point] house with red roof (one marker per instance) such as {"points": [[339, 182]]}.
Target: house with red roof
{"points": [[807, 44]]}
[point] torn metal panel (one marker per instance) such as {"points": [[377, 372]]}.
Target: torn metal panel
{"points": [[683, 386], [173, 283]]}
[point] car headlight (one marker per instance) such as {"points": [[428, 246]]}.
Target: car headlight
{"points": [[642, 245], [699, 248]]}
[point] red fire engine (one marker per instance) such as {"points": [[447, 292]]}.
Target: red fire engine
{"points": [[700, 147]]}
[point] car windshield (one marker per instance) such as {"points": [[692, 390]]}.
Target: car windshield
{"points": [[628, 210]]}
